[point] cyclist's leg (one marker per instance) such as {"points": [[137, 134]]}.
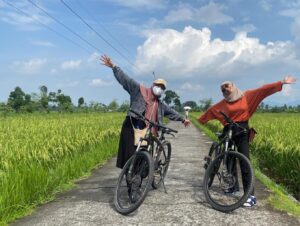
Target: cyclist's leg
{"points": [[243, 147], [231, 167], [126, 143]]}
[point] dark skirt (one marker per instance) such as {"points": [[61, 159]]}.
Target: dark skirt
{"points": [[126, 143]]}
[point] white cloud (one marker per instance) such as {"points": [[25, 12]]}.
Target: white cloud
{"points": [[181, 14], [94, 57], [265, 4], [43, 43], [247, 28], [208, 14], [71, 65], [192, 51], [295, 26], [290, 3], [188, 87], [287, 91], [290, 91], [29, 67], [142, 4], [22, 21], [99, 83], [290, 12]]}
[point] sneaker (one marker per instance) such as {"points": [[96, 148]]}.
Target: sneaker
{"points": [[231, 190], [249, 203], [253, 199]]}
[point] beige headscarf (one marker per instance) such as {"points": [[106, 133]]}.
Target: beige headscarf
{"points": [[235, 95]]}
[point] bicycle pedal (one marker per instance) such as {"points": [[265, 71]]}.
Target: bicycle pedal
{"points": [[207, 158]]}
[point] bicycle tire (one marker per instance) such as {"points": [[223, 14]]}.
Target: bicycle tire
{"points": [[211, 170], [162, 164], [143, 161]]}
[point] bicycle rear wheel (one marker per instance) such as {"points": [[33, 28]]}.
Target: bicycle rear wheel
{"points": [[161, 164], [220, 193], [133, 187]]}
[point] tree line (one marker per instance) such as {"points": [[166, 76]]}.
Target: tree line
{"points": [[47, 101]]}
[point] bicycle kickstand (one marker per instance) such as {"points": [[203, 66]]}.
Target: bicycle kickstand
{"points": [[163, 182]]}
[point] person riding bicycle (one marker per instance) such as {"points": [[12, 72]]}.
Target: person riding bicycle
{"points": [[240, 106], [143, 100]]}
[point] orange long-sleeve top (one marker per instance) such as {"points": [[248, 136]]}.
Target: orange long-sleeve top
{"points": [[242, 109]]}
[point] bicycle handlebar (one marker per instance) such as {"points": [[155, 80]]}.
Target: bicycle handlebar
{"points": [[166, 129], [227, 119], [230, 121]]}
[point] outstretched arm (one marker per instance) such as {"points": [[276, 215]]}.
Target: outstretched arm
{"points": [[129, 84], [207, 116], [174, 115], [255, 96], [107, 61]]}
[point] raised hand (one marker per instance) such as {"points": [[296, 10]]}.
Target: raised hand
{"points": [[289, 80], [107, 61]]}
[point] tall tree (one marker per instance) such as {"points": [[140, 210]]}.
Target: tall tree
{"points": [[191, 104], [124, 106], [64, 101], [52, 99], [44, 97], [205, 104], [16, 99], [177, 104], [170, 97], [113, 106], [80, 101]]}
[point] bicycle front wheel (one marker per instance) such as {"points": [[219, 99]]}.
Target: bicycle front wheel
{"points": [[161, 164], [133, 187], [227, 192]]}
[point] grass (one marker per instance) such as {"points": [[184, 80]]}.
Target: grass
{"points": [[46, 183], [42, 155], [279, 199]]}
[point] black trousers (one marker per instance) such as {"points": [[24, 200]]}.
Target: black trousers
{"points": [[242, 142], [126, 142]]}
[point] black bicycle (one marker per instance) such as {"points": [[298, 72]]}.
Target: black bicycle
{"points": [[224, 166], [148, 166]]}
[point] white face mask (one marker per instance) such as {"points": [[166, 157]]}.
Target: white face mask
{"points": [[157, 91]]}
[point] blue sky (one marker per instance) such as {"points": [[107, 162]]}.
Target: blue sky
{"points": [[194, 45]]}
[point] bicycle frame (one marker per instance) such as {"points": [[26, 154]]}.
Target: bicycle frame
{"points": [[227, 140], [150, 139]]}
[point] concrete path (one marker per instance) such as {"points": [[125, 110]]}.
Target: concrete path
{"points": [[91, 202]]}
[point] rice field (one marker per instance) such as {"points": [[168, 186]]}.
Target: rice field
{"points": [[41, 154]]}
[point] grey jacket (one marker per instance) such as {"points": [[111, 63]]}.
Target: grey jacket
{"points": [[137, 102]]}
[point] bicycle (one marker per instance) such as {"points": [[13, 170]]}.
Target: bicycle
{"points": [[221, 184], [149, 165]]}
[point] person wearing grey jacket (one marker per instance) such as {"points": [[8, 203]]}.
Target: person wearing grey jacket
{"points": [[143, 100]]}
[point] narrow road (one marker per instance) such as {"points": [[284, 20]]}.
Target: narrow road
{"points": [[91, 202]]}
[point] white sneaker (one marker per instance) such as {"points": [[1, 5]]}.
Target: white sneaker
{"points": [[249, 203]]}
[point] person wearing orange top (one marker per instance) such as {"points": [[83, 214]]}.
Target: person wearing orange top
{"points": [[240, 106]]}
